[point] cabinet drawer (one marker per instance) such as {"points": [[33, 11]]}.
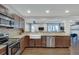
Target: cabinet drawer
{"points": [[3, 51]]}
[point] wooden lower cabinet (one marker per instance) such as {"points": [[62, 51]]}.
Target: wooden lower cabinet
{"points": [[31, 43], [3, 51], [35, 43], [59, 41], [38, 43], [62, 41], [24, 43], [43, 42]]}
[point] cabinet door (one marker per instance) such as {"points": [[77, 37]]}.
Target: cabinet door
{"points": [[37, 42], [26, 41], [16, 24], [22, 44], [31, 43], [43, 43], [21, 23], [66, 41], [62, 41]]}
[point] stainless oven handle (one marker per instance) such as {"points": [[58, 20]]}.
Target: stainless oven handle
{"points": [[13, 44]]}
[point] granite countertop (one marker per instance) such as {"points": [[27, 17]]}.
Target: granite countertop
{"points": [[2, 46], [42, 34], [17, 36]]}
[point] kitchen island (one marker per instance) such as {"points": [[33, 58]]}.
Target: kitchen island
{"points": [[43, 39], [50, 41]]}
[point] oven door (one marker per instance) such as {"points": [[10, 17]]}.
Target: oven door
{"points": [[14, 48], [3, 39]]}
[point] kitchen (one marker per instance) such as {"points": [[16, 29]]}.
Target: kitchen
{"points": [[19, 33]]}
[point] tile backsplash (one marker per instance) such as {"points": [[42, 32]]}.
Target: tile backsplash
{"points": [[11, 32]]}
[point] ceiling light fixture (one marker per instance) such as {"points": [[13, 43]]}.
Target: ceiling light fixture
{"points": [[67, 11], [28, 11], [47, 11]]}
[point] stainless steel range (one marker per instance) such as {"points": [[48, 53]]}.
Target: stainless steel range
{"points": [[3, 38], [13, 45]]}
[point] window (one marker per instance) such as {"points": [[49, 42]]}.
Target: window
{"points": [[53, 27], [32, 28], [49, 27]]}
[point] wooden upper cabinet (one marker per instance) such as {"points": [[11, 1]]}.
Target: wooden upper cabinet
{"points": [[19, 21], [16, 17], [1, 6], [3, 9], [62, 41]]}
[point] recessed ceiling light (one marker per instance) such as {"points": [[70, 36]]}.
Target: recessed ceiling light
{"points": [[28, 11], [47, 11], [67, 11]]}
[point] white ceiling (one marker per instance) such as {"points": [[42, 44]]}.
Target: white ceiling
{"points": [[39, 9]]}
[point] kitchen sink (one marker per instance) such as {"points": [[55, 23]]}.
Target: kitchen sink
{"points": [[35, 36]]}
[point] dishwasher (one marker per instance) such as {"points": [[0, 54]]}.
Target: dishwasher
{"points": [[50, 41]]}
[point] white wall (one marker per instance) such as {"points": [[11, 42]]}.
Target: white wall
{"points": [[40, 20], [66, 22], [36, 26], [75, 29]]}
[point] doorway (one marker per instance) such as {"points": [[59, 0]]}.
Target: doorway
{"points": [[74, 31]]}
